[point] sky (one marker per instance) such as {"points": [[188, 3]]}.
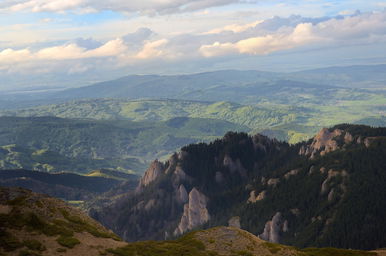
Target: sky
{"points": [[74, 42]]}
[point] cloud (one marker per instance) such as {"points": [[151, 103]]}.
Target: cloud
{"points": [[356, 29], [42, 5], [62, 52], [235, 28], [11, 56], [139, 36], [111, 48], [145, 47], [301, 34], [141, 6], [88, 43], [152, 49]]}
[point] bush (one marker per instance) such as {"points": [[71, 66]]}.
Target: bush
{"points": [[68, 241]]}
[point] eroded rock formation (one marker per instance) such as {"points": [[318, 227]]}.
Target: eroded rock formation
{"points": [[273, 228], [195, 212]]}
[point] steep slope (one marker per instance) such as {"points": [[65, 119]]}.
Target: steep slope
{"points": [[35, 224], [325, 192]]}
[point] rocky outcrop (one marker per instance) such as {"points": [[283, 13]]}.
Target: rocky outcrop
{"points": [[182, 194], [369, 140], [253, 198], [291, 173], [234, 166], [262, 142], [331, 174], [234, 222], [152, 173], [195, 212], [348, 138], [179, 176], [273, 182], [274, 228], [322, 143]]}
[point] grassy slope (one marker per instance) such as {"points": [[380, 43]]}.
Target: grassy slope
{"points": [[35, 224], [224, 241]]}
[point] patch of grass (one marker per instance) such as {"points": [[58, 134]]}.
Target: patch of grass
{"points": [[39, 204], [34, 245], [68, 241], [244, 253], [77, 224], [186, 245], [18, 201], [61, 250], [28, 253], [273, 248]]}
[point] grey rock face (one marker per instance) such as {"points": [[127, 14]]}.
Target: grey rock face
{"points": [[152, 173], [273, 228], [182, 195], [234, 166], [234, 222], [195, 212]]}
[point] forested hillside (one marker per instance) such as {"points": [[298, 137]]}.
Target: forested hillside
{"points": [[81, 145], [325, 192]]}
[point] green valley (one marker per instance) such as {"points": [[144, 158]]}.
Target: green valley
{"points": [[82, 145]]}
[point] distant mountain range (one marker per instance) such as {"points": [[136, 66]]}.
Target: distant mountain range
{"points": [[289, 106], [204, 86]]}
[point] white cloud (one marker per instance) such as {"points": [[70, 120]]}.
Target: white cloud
{"points": [[13, 56], [218, 49], [301, 34], [63, 52], [44, 5], [235, 28], [357, 29], [147, 47], [152, 49], [111, 48], [142, 6]]}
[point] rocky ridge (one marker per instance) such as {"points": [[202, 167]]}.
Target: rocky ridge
{"points": [[294, 194]]}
